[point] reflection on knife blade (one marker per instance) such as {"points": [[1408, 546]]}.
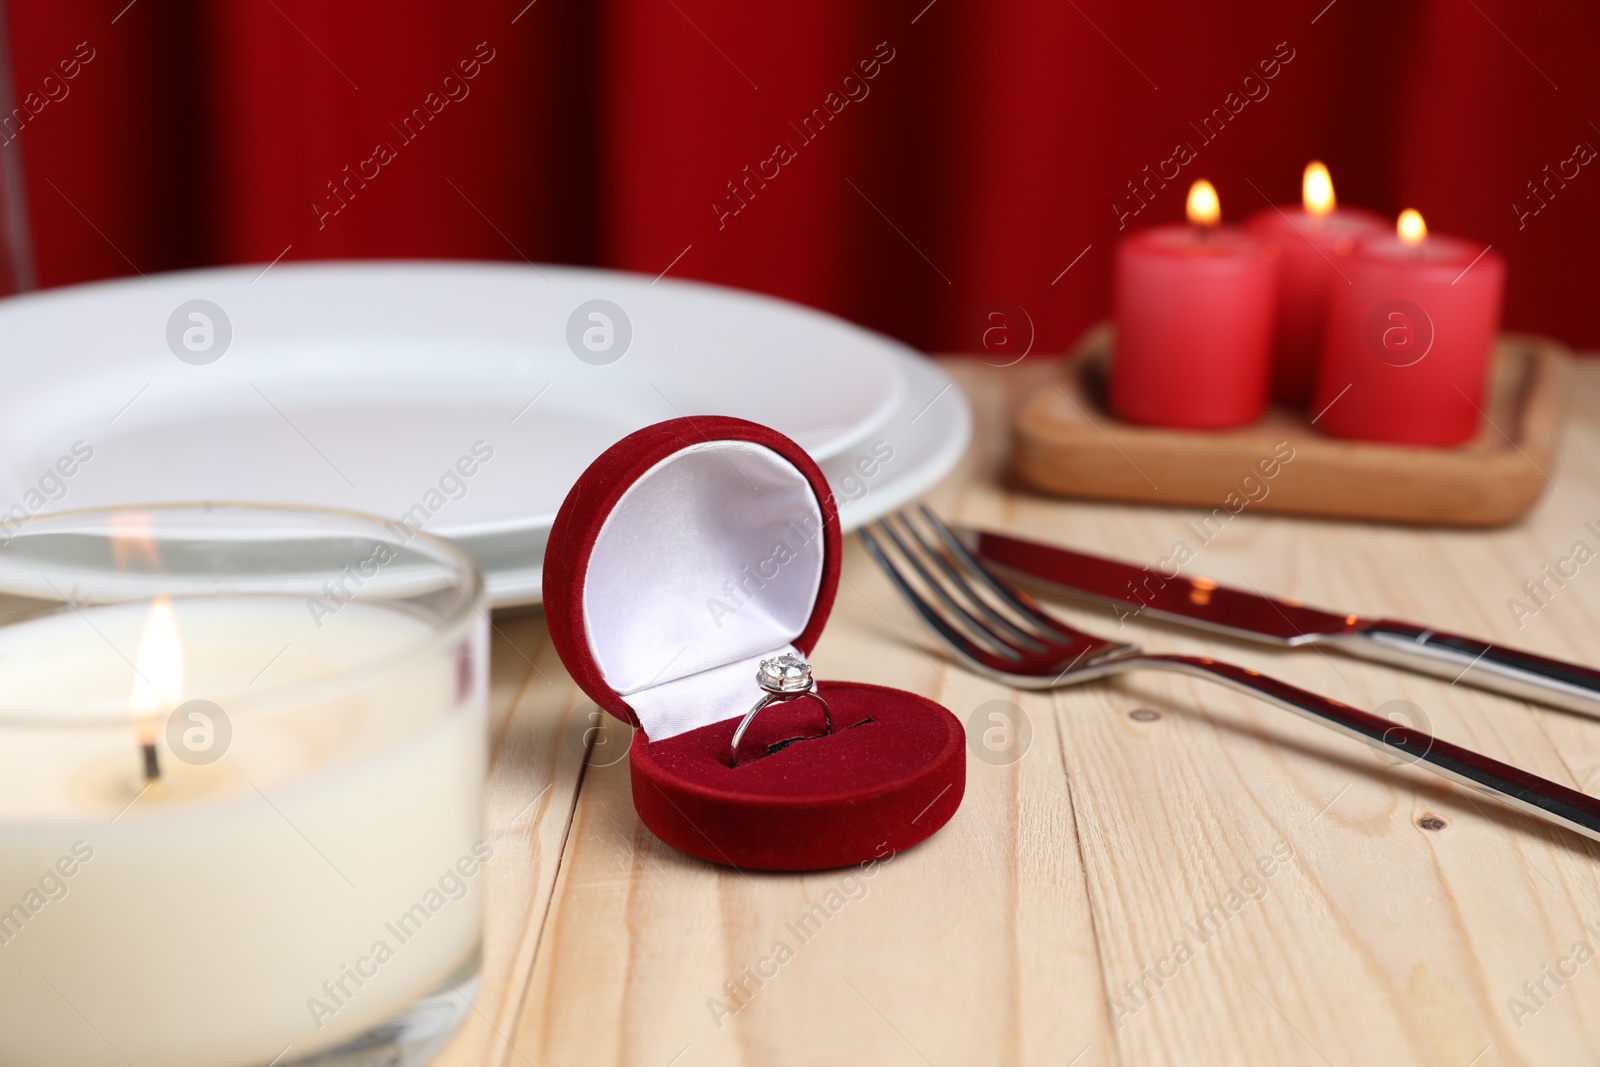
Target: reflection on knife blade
{"points": [[1132, 591]]}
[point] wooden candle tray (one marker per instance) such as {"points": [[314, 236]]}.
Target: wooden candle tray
{"points": [[1068, 444]]}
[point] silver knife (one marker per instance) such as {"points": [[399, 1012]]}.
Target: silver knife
{"points": [[1134, 592]]}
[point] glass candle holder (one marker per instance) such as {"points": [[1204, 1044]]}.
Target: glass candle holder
{"points": [[242, 754]]}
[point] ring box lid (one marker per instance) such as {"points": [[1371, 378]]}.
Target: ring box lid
{"points": [[684, 555]]}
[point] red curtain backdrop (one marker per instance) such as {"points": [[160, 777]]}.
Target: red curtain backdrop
{"points": [[908, 165]]}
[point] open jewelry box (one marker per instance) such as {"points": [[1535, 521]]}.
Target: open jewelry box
{"points": [[685, 555]]}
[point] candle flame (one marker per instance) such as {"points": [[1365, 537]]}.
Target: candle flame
{"points": [[158, 677], [1203, 208], [1316, 190], [1410, 227]]}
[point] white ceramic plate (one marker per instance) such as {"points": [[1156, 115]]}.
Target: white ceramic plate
{"points": [[378, 387], [884, 470], [926, 437]]}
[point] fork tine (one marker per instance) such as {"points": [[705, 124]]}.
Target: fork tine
{"points": [[975, 626], [1015, 598], [1033, 642], [954, 637]]}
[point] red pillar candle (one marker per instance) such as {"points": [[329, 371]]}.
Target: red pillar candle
{"points": [[1406, 350], [1193, 308], [1312, 241]]}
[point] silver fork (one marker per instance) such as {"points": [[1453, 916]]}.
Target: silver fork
{"points": [[1001, 632]]}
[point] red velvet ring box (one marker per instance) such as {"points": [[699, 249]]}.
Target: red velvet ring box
{"points": [[683, 556]]}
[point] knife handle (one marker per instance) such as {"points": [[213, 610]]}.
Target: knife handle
{"points": [[1474, 662]]}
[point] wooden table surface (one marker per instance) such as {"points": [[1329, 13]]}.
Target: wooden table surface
{"points": [[1170, 873]]}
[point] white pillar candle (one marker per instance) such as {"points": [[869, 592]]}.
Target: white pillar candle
{"points": [[323, 874]]}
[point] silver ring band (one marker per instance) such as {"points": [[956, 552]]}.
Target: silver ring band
{"points": [[777, 698]]}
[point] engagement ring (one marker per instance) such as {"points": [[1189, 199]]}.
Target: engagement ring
{"points": [[781, 679]]}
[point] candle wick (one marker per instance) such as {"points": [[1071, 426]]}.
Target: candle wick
{"points": [[152, 765]]}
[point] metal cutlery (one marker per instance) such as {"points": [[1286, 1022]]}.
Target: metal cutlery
{"points": [[1198, 602], [1001, 632]]}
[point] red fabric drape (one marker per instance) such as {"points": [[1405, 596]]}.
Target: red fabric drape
{"points": [[911, 165]]}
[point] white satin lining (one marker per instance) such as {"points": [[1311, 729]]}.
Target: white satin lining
{"points": [[710, 562]]}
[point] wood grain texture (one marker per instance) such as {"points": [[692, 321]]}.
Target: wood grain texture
{"points": [[1069, 445], [1043, 925]]}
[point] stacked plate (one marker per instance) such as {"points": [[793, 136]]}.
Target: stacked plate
{"points": [[459, 399]]}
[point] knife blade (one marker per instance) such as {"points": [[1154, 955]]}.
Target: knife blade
{"points": [[1134, 592]]}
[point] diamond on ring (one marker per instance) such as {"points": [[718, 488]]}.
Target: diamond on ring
{"points": [[784, 674]]}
